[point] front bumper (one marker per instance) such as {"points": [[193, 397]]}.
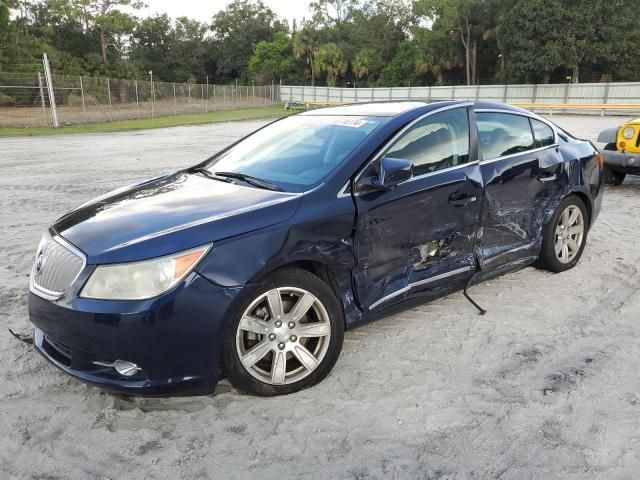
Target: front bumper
{"points": [[622, 162], [175, 339]]}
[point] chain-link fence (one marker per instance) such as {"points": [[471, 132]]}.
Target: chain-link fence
{"points": [[25, 100]]}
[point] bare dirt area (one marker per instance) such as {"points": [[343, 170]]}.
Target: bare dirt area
{"points": [[544, 386]]}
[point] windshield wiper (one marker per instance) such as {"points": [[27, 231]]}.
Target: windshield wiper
{"points": [[257, 182], [206, 173]]}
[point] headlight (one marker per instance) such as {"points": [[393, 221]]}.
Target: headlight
{"points": [[628, 133], [141, 280]]}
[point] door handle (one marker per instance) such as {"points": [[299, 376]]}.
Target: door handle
{"points": [[461, 200], [548, 178]]}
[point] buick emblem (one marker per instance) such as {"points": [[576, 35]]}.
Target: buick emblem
{"points": [[40, 259]]}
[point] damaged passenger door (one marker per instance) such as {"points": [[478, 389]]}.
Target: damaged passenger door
{"points": [[521, 170], [417, 238]]}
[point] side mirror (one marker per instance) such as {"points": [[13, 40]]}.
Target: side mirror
{"points": [[393, 171]]}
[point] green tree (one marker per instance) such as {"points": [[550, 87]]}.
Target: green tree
{"points": [[4, 28], [107, 17], [533, 40], [237, 31], [402, 67], [306, 43], [367, 64], [272, 60], [468, 20], [331, 60]]}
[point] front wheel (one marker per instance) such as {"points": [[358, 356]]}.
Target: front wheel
{"points": [[565, 235], [613, 178], [286, 337]]}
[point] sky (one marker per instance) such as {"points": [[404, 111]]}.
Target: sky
{"points": [[203, 10]]}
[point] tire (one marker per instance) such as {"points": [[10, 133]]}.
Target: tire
{"points": [[613, 178], [270, 349], [556, 259]]}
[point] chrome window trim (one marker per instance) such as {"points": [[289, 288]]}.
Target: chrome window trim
{"points": [[51, 295], [420, 283], [505, 157], [342, 193]]}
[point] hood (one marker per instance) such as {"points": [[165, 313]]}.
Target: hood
{"points": [[170, 214]]}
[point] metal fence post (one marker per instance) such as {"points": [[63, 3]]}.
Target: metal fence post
{"points": [[84, 110], [477, 92], [253, 89], [189, 93], [605, 100], [109, 95], [153, 99], [137, 102], [409, 92], [175, 103], [390, 93], [52, 97], [206, 99], [44, 106], [214, 97], [504, 93], [534, 94]]}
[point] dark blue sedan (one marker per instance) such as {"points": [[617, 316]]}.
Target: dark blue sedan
{"points": [[253, 263]]}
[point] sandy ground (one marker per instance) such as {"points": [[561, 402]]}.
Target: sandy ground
{"points": [[544, 386]]}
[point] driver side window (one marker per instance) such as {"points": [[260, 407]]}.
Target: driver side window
{"points": [[435, 142]]}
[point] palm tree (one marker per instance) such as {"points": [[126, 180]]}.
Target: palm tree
{"points": [[331, 61], [306, 46]]}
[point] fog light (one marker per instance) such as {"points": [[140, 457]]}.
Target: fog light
{"points": [[123, 367], [631, 160]]}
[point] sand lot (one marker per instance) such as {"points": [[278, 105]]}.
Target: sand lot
{"points": [[544, 386]]}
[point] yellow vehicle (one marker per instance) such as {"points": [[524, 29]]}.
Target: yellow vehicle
{"points": [[622, 152]]}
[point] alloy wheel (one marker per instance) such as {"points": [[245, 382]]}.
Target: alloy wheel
{"points": [[283, 336], [569, 234]]}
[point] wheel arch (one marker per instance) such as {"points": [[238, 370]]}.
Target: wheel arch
{"points": [[587, 203], [339, 280]]}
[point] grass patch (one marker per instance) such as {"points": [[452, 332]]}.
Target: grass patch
{"points": [[272, 111]]}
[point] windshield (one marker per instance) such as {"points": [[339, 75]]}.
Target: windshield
{"points": [[298, 151]]}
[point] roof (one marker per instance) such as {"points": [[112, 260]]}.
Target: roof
{"points": [[391, 109], [374, 109]]}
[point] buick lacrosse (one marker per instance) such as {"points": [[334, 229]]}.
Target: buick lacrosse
{"points": [[253, 263]]}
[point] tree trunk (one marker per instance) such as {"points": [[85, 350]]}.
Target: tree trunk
{"points": [[313, 71], [575, 74], [103, 45], [465, 29], [474, 62]]}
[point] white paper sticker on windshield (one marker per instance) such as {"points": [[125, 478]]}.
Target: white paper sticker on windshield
{"points": [[348, 122]]}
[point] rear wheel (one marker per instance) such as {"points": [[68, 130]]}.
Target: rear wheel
{"points": [[565, 235], [613, 178], [286, 337]]}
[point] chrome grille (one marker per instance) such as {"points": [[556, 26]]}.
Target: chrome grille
{"points": [[56, 266]]}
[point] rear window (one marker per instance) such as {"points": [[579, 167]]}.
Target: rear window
{"points": [[542, 133], [503, 134]]}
